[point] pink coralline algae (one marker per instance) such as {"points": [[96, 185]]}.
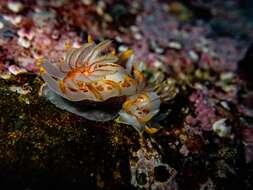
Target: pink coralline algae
{"points": [[203, 112], [161, 28], [222, 55], [179, 61], [37, 37], [158, 32], [143, 54]]}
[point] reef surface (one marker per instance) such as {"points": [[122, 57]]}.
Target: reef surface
{"points": [[205, 138]]}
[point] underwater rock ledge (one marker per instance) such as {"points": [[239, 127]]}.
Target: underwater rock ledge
{"points": [[44, 147]]}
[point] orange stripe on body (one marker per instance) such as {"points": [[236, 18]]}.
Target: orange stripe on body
{"points": [[95, 92], [113, 84], [62, 86]]}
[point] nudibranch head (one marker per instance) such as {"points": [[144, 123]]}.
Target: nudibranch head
{"points": [[139, 109], [89, 73]]}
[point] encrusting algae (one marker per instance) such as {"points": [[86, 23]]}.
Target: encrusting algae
{"points": [[92, 77]]}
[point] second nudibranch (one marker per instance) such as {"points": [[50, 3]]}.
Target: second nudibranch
{"points": [[139, 109]]}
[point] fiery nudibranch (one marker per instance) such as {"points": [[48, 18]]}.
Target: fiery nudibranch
{"points": [[94, 74]]}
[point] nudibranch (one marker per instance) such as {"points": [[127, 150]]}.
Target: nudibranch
{"points": [[89, 73], [139, 109], [93, 75]]}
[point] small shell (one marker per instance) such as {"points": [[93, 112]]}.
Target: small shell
{"points": [[221, 128]]}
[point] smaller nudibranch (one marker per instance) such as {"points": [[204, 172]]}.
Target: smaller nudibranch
{"points": [[139, 109]]}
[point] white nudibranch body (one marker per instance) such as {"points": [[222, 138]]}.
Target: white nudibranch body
{"points": [[93, 74]]}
